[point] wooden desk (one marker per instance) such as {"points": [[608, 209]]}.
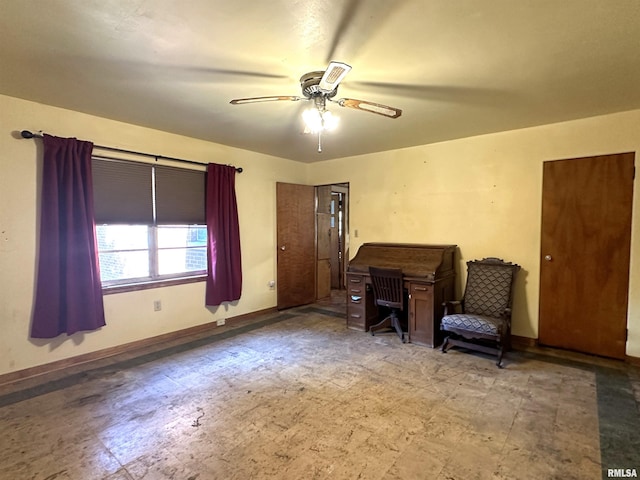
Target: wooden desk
{"points": [[429, 276]]}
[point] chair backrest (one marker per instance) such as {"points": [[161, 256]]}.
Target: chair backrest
{"points": [[489, 287], [387, 286]]}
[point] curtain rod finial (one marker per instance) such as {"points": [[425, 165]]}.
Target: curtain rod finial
{"points": [[29, 134]]}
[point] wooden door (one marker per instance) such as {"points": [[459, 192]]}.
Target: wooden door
{"points": [[585, 248], [296, 244]]}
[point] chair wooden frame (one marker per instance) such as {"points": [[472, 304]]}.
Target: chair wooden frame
{"points": [[494, 342], [388, 292]]}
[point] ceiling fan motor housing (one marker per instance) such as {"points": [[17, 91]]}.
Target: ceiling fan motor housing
{"points": [[310, 85]]}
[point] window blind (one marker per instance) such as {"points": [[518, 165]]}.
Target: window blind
{"points": [[179, 196], [122, 192], [127, 192]]}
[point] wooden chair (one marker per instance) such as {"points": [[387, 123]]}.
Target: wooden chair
{"points": [[482, 319], [388, 292]]}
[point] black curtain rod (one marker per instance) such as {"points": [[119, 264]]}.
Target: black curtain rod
{"points": [[28, 134]]}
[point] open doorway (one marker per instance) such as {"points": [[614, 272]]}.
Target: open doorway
{"points": [[332, 207]]}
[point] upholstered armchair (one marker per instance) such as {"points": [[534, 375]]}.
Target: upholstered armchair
{"points": [[481, 320]]}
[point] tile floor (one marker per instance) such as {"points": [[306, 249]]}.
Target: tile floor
{"points": [[295, 395]]}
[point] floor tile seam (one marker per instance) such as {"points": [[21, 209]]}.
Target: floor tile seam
{"points": [[513, 422], [470, 430], [111, 454], [130, 464]]}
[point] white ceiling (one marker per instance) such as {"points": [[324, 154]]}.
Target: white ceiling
{"points": [[455, 67]]}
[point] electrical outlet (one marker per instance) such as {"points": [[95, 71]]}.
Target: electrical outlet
{"points": [[157, 305], [220, 322]]}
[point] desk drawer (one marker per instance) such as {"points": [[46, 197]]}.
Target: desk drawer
{"points": [[356, 299], [356, 317], [355, 282], [360, 308]]}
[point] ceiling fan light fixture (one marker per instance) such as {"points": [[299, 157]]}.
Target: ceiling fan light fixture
{"points": [[316, 121]]}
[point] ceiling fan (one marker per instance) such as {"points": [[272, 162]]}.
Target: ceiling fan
{"points": [[320, 87]]}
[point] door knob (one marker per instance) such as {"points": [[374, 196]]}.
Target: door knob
{"points": [[282, 247], [548, 258]]}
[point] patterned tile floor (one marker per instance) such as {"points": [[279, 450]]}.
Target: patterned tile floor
{"points": [[295, 395]]}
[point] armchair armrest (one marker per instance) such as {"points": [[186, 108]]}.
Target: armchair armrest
{"points": [[451, 306], [506, 319]]}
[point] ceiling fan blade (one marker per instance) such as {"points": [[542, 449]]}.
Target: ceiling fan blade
{"points": [[333, 75], [378, 108], [239, 101]]}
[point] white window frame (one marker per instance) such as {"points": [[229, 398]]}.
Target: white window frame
{"points": [[154, 279]]}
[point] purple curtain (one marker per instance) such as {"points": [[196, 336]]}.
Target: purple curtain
{"points": [[68, 289], [224, 277]]}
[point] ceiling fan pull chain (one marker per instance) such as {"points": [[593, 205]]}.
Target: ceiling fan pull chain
{"points": [[320, 141]]}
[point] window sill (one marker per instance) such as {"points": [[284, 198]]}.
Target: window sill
{"points": [[133, 287]]}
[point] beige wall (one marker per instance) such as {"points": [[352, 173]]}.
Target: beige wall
{"points": [[129, 316], [483, 194]]}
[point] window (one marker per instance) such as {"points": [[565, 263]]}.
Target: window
{"points": [[149, 223], [142, 253]]}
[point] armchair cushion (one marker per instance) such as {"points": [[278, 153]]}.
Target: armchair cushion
{"points": [[472, 323]]}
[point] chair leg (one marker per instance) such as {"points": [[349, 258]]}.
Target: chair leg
{"points": [[445, 344], [504, 344], [392, 322], [500, 355], [386, 323], [395, 322]]}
